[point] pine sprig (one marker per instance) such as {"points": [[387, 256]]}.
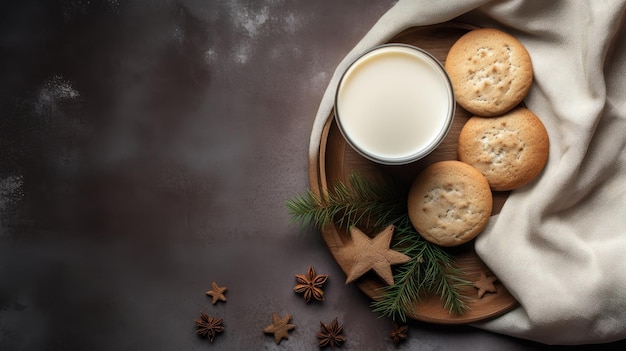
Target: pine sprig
{"points": [[359, 201], [375, 205], [432, 270], [305, 209]]}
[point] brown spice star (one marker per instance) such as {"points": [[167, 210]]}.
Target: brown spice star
{"points": [[280, 327], [207, 326], [331, 335], [371, 253], [398, 333], [310, 285], [485, 284], [217, 292]]}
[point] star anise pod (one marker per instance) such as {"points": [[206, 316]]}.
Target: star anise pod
{"points": [[331, 335], [398, 333], [310, 285], [207, 326]]}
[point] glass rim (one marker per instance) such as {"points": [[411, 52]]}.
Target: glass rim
{"points": [[421, 153]]}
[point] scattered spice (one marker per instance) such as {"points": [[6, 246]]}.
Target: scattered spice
{"points": [[280, 327], [207, 326], [398, 333], [311, 285], [485, 284], [331, 335], [372, 253], [217, 293]]}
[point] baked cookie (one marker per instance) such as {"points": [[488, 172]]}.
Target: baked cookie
{"points": [[491, 71], [509, 150], [449, 203]]}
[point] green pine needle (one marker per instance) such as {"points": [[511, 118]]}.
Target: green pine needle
{"points": [[358, 202], [373, 205]]}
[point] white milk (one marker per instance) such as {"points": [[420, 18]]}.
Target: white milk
{"points": [[394, 104]]}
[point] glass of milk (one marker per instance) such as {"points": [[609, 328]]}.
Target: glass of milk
{"points": [[394, 104]]}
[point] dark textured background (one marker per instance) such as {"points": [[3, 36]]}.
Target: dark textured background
{"points": [[147, 148]]}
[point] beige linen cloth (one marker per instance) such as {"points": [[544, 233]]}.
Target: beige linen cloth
{"points": [[559, 244]]}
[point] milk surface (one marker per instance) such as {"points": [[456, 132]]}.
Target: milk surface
{"points": [[394, 102]]}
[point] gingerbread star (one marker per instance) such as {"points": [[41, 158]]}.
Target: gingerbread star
{"points": [[280, 327], [372, 254], [217, 293], [485, 284]]}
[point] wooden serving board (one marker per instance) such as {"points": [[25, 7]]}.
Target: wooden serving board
{"points": [[336, 161]]}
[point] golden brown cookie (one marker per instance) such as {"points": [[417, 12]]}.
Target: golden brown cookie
{"points": [[509, 150], [449, 203], [490, 70]]}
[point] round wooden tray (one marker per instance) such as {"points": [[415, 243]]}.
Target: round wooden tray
{"points": [[336, 161]]}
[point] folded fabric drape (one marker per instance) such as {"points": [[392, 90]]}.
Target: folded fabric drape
{"points": [[559, 243]]}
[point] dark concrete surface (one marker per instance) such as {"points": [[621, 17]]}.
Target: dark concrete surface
{"points": [[147, 148]]}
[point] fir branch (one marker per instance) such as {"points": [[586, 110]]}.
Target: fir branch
{"points": [[305, 209], [448, 281], [359, 201], [431, 269]]}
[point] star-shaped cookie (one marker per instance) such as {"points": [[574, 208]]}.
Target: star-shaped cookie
{"points": [[217, 292], [485, 284], [372, 254], [280, 327]]}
